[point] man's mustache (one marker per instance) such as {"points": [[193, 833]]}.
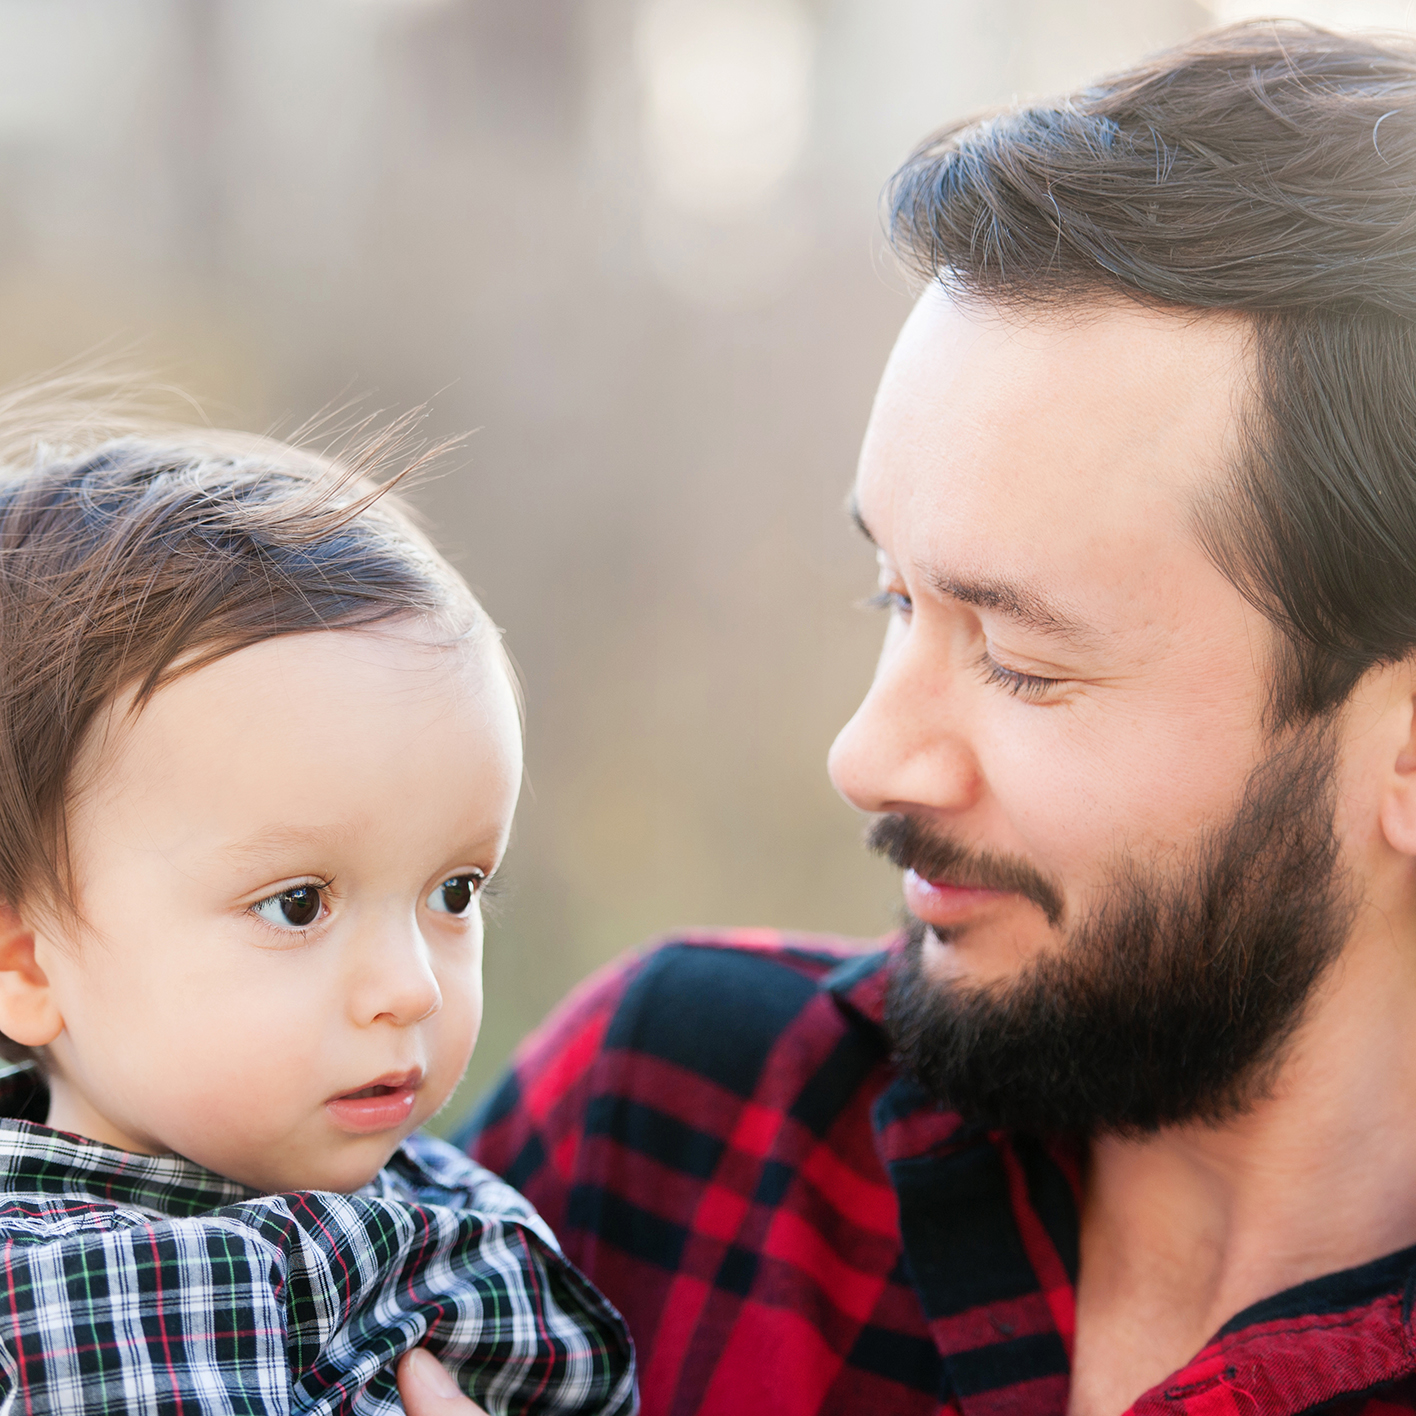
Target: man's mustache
{"points": [[906, 843]]}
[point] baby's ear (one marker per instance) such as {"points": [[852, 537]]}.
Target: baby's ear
{"points": [[28, 1011]]}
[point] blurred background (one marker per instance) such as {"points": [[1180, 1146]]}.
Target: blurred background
{"points": [[635, 245]]}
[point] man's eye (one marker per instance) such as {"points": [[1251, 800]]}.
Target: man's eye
{"points": [[456, 894], [893, 600], [291, 909], [1031, 687]]}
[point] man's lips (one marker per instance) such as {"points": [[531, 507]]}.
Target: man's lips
{"points": [[382, 1105], [942, 903]]}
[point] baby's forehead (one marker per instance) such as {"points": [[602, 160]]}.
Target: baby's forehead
{"points": [[319, 687]]}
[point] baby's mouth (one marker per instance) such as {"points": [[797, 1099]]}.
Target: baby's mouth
{"points": [[382, 1105], [386, 1085]]}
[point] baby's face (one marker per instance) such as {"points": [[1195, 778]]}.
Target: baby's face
{"points": [[279, 863]]}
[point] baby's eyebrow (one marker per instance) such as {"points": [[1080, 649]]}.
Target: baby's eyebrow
{"points": [[276, 841]]}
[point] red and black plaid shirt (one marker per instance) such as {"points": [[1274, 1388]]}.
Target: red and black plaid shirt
{"points": [[717, 1134]]}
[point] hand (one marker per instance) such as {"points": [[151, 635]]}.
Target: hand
{"points": [[427, 1388]]}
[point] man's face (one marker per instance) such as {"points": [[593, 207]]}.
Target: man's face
{"points": [[1070, 692], [1066, 677]]}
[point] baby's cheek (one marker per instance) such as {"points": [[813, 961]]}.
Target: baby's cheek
{"points": [[242, 1045], [455, 1027]]}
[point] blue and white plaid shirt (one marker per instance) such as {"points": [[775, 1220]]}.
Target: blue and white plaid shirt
{"points": [[133, 1283]]}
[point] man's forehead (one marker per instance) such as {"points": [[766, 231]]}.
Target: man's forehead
{"points": [[1018, 457], [1101, 378]]}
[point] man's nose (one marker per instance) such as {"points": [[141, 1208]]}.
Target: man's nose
{"points": [[907, 747], [393, 979]]}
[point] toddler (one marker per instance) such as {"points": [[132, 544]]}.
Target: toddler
{"points": [[259, 753]]}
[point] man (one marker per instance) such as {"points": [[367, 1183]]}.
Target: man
{"points": [[1128, 1118]]}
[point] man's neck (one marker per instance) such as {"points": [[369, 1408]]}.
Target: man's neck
{"points": [[1182, 1230]]}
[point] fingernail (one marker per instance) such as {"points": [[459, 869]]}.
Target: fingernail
{"points": [[430, 1374]]}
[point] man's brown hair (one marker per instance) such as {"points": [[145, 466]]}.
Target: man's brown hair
{"points": [[128, 561], [1268, 169]]}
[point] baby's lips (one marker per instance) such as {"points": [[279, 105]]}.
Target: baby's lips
{"points": [[385, 1085], [383, 1105]]}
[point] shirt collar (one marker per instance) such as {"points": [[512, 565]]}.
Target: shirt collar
{"points": [[859, 985]]}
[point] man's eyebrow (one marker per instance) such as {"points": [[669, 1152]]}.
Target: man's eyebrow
{"points": [[853, 510], [1021, 603]]}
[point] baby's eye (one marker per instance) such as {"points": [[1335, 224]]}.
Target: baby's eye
{"points": [[456, 894], [291, 909]]}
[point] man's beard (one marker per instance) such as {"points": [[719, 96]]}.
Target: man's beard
{"points": [[1171, 1001]]}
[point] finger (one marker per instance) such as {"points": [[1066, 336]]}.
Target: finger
{"points": [[427, 1388]]}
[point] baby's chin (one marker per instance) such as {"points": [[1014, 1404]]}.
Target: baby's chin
{"points": [[342, 1169], [311, 1155]]}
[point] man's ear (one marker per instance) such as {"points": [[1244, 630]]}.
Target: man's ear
{"points": [[28, 1011]]}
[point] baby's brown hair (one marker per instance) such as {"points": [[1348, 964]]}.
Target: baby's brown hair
{"points": [[127, 561]]}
